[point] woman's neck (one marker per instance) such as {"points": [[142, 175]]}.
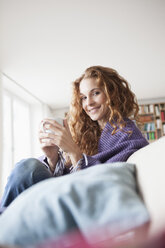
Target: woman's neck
{"points": [[102, 124]]}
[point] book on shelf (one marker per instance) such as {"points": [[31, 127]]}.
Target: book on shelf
{"points": [[164, 128], [158, 133], [151, 108], [149, 126], [158, 123], [163, 115], [146, 109], [157, 110], [146, 118], [150, 136]]}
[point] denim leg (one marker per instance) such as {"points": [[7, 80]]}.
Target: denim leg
{"points": [[26, 173]]}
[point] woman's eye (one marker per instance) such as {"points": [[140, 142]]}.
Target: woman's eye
{"points": [[96, 93], [83, 98]]}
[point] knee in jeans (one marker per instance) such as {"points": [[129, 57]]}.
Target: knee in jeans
{"points": [[28, 164], [24, 169]]}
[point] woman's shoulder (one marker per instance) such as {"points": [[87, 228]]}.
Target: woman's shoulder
{"points": [[135, 131], [130, 128], [131, 124], [128, 125]]}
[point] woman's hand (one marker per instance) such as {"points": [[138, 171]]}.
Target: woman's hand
{"points": [[60, 136], [49, 149]]}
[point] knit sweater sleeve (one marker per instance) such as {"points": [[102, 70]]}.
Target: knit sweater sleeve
{"points": [[117, 147]]}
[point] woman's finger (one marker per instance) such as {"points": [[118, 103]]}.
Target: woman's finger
{"points": [[66, 124], [46, 135], [48, 127], [47, 142]]}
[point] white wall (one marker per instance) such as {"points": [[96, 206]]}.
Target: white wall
{"points": [[151, 100], [48, 44]]}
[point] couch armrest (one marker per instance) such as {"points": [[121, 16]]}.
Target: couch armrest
{"points": [[150, 166]]}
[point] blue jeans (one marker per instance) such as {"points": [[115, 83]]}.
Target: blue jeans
{"points": [[26, 173]]}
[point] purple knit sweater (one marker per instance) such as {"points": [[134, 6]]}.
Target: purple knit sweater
{"points": [[117, 147]]}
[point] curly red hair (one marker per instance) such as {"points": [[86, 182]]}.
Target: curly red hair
{"points": [[121, 102]]}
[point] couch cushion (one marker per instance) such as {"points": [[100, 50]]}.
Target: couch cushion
{"points": [[102, 199]]}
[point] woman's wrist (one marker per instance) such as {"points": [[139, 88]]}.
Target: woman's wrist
{"points": [[75, 156], [52, 163]]}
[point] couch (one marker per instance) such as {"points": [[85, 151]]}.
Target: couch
{"points": [[149, 167]]}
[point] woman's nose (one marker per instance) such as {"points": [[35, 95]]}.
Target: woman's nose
{"points": [[90, 101]]}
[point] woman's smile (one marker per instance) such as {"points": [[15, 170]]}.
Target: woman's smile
{"points": [[94, 110]]}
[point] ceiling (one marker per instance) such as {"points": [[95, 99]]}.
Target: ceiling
{"points": [[46, 44]]}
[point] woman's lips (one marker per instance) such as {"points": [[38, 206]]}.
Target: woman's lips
{"points": [[93, 110]]}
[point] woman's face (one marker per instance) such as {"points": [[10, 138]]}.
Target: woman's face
{"points": [[93, 100]]}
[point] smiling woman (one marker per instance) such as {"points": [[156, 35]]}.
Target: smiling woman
{"points": [[98, 130], [101, 97]]}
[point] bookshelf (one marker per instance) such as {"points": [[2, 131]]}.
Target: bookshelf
{"points": [[152, 120]]}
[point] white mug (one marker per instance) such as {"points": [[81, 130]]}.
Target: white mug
{"points": [[57, 119]]}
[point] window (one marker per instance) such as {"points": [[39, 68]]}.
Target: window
{"points": [[16, 132], [21, 115]]}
